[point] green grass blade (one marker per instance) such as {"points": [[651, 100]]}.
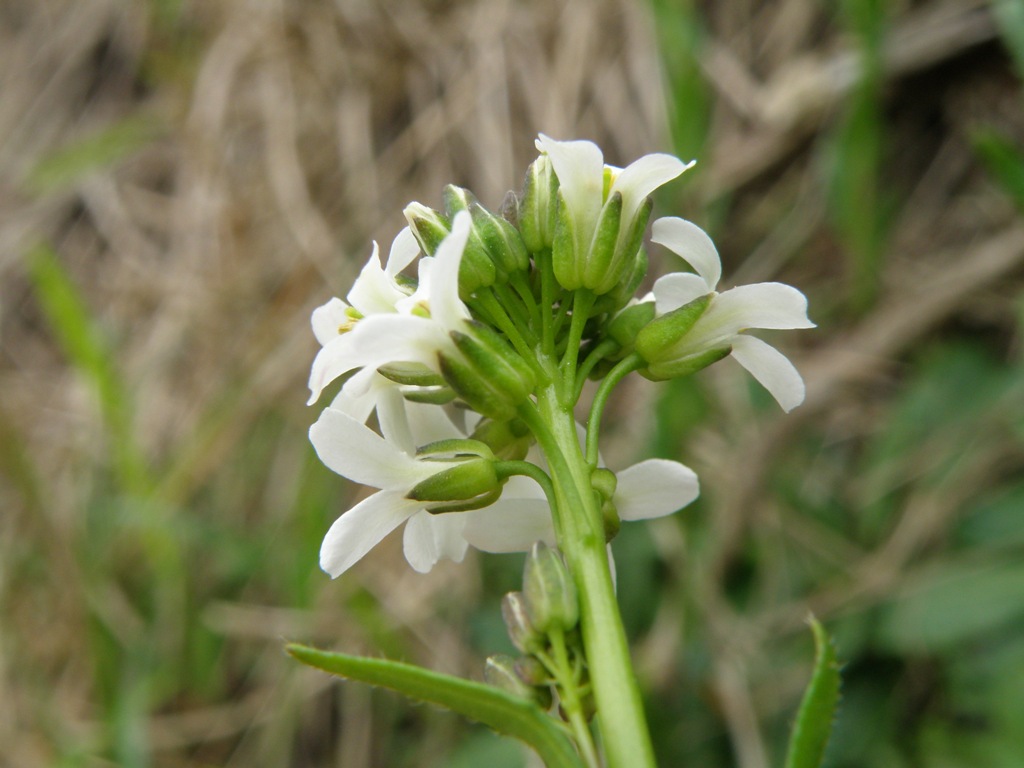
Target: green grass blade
{"points": [[813, 724], [1002, 161], [484, 703], [98, 150], [88, 350]]}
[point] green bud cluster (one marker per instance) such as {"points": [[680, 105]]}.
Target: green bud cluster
{"points": [[544, 615], [488, 374], [494, 250]]}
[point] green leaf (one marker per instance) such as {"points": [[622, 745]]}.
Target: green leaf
{"points": [[484, 703], [953, 604], [814, 721]]}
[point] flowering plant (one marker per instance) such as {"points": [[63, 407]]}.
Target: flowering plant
{"points": [[474, 369]]}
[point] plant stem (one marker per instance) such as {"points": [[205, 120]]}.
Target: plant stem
{"points": [[581, 539]]}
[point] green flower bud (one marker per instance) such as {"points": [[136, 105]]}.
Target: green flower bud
{"points": [[501, 241], [510, 440], [532, 672], [500, 671], [428, 226], [523, 634], [662, 343], [550, 593], [489, 375], [538, 210], [476, 270]]}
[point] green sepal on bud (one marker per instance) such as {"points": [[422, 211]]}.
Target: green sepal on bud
{"points": [[410, 374], [662, 343], [549, 591], [472, 483], [625, 326], [538, 210], [521, 631], [488, 374], [584, 259], [428, 226], [419, 383], [501, 242]]}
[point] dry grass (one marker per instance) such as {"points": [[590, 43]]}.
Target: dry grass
{"points": [[257, 148]]}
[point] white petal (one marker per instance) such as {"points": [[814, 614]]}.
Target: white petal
{"points": [[428, 423], [374, 291], [676, 290], [654, 488], [686, 239], [361, 528], [333, 359], [510, 525], [393, 420], [761, 305], [446, 308], [428, 538], [328, 319], [357, 400], [355, 451], [641, 177], [375, 341], [404, 249], [579, 166], [772, 369], [514, 522]]}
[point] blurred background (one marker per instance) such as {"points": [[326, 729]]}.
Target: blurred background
{"points": [[181, 182]]}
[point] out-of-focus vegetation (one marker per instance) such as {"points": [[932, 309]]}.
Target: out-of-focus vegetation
{"points": [[182, 182]]}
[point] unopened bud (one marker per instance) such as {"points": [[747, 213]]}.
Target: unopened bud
{"points": [[521, 631], [500, 671], [488, 374], [550, 593], [501, 241], [428, 226], [539, 206]]}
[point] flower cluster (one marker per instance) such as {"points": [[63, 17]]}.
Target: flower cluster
{"points": [[508, 311]]}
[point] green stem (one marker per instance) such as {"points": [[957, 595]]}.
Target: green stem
{"points": [[567, 680], [581, 539], [582, 301], [596, 354], [626, 366]]}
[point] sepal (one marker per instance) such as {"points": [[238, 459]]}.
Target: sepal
{"points": [[538, 210]]}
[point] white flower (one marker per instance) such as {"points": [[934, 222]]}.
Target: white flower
{"points": [[401, 328], [721, 326], [603, 245], [352, 449], [375, 291]]}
